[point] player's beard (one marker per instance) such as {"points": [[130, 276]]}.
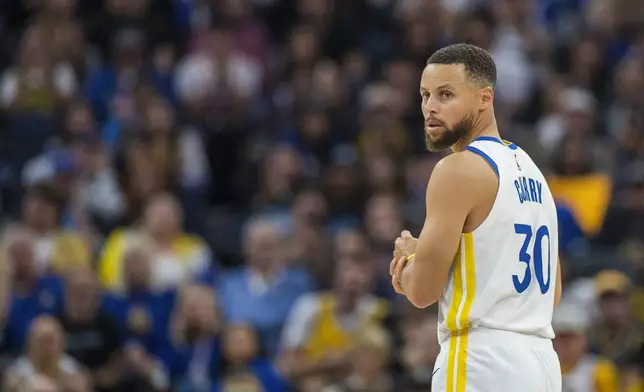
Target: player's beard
{"points": [[451, 135]]}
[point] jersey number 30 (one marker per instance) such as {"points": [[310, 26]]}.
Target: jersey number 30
{"points": [[536, 257]]}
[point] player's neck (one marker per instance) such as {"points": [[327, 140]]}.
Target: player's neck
{"points": [[483, 128]]}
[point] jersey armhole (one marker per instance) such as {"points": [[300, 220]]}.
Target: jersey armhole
{"points": [[495, 204], [486, 157]]}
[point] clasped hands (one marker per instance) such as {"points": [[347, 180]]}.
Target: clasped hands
{"points": [[405, 248]]}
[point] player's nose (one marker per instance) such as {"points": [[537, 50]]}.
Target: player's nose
{"points": [[429, 109]]}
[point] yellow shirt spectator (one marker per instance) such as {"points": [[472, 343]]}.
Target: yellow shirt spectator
{"points": [[591, 374], [315, 326], [60, 251], [186, 259], [588, 197]]}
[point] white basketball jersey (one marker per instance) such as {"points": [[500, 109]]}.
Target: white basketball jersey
{"points": [[505, 272]]}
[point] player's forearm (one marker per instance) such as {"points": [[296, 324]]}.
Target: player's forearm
{"points": [[419, 288]]}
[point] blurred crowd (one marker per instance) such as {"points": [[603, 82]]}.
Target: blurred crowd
{"points": [[202, 195]]}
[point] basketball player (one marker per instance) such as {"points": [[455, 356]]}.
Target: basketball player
{"points": [[488, 249]]}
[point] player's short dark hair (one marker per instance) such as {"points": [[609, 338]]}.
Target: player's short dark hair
{"points": [[478, 62]]}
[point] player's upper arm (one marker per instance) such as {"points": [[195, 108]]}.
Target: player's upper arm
{"points": [[458, 184]]}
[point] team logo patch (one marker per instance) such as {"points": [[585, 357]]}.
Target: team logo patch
{"points": [[139, 319]]}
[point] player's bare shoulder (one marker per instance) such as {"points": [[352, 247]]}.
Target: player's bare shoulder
{"points": [[466, 171], [466, 181]]}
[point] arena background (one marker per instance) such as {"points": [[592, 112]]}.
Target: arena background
{"points": [[202, 195]]}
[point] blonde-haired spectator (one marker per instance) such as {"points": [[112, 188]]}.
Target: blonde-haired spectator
{"points": [[176, 257], [44, 355]]}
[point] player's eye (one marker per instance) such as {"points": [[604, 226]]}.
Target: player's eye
{"points": [[425, 96], [446, 95]]}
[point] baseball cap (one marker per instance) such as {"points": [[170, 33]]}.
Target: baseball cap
{"points": [[570, 317], [611, 281]]}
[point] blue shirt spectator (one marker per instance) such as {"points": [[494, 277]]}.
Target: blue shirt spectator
{"points": [[45, 297], [144, 316], [263, 303]]}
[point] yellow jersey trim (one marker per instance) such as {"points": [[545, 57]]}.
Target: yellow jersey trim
{"points": [[459, 313]]}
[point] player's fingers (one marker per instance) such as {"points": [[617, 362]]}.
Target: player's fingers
{"points": [[392, 265], [406, 235], [397, 251], [396, 286], [400, 265]]}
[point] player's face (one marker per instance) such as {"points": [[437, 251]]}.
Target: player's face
{"points": [[449, 104]]}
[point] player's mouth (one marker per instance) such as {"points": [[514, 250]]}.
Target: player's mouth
{"points": [[433, 126]]}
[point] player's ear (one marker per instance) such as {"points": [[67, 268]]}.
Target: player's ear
{"points": [[486, 95]]}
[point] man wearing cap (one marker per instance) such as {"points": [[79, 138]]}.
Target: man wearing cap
{"points": [[616, 335], [581, 370]]}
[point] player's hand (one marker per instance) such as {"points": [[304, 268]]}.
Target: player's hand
{"points": [[405, 245], [396, 269]]}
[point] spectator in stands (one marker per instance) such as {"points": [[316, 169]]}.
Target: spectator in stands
{"points": [[279, 175], [195, 356], [623, 225], [382, 131], [307, 240], [153, 156], [39, 84], [81, 168], [93, 338], [319, 334], [419, 354], [32, 292], [144, 315], [262, 293], [581, 371], [346, 244], [57, 249], [616, 335], [123, 31], [369, 359], [45, 354], [140, 311], [176, 257], [243, 368], [383, 223]]}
